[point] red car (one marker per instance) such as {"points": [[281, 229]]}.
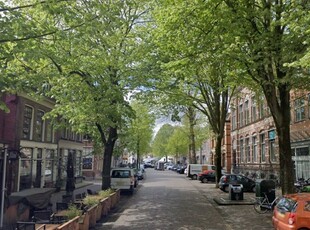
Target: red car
{"points": [[206, 176], [292, 212]]}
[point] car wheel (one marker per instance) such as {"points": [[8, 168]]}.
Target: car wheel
{"points": [[194, 177], [226, 189], [204, 180]]}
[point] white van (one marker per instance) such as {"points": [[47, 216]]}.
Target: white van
{"points": [[194, 169], [123, 179]]}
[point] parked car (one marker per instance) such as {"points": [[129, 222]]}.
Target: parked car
{"points": [[226, 180], [194, 169], [170, 166], [181, 169], [206, 176], [123, 179], [292, 212], [140, 173]]}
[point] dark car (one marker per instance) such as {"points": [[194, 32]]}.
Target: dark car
{"points": [[140, 173], [226, 180], [181, 169], [206, 176]]}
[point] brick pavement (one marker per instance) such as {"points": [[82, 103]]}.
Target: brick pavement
{"points": [[236, 214]]}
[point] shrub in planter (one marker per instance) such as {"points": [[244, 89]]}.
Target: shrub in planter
{"points": [[73, 211], [106, 193], [90, 200]]}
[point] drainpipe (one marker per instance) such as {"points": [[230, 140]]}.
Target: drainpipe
{"points": [[3, 187]]}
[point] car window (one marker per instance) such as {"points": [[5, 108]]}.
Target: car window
{"points": [[121, 174], [307, 206], [286, 204]]}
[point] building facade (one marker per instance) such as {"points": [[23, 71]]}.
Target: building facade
{"points": [[255, 150], [37, 154]]}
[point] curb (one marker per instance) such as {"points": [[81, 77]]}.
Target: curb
{"points": [[222, 201]]}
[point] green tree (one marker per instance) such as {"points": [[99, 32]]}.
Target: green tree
{"points": [[85, 64], [159, 145], [265, 37], [194, 65], [139, 132], [178, 142]]}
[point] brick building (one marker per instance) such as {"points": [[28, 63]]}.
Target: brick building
{"points": [[37, 154], [254, 141]]}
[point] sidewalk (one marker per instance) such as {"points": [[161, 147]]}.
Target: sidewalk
{"points": [[236, 214]]}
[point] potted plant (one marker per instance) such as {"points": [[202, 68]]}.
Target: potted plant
{"points": [[105, 201], [91, 203], [73, 211]]}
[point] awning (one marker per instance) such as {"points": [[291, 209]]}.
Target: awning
{"points": [[36, 197]]}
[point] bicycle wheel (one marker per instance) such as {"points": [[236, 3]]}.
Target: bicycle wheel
{"points": [[259, 209]]}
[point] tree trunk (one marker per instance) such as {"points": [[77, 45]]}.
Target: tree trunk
{"points": [[286, 163], [218, 158], [191, 117], [281, 117], [107, 157]]}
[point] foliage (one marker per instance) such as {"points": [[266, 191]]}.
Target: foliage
{"points": [[73, 211], [159, 145], [140, 129], [178, 142], [106, 193], [81, 54], [90, 200]]}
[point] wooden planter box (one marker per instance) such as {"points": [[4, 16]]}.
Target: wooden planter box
{"points": [[115, 197], [92, 215], [98, 212], [72, 224], [84, 221], [105, 206]]}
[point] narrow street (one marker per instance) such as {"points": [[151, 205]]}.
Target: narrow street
{"points": [[167, 200]]}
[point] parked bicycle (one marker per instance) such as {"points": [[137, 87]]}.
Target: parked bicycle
{"points": [[262, 204]]}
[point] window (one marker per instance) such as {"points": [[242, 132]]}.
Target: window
{"points": [[49, 132], [246, 113], [254, 148], [272, 151], [299, 109], [49, 159], [261, 108], [302, 151], [247, 149], [26, 168], [240, 115], [253, 110], [39, 125], [27, 124], [241, 151], [271, 137], [262, 147], [233, 119], [88, 162]]}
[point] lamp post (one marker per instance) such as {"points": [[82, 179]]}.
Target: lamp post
{"points": [[4, 151]]}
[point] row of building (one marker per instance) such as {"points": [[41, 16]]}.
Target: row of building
{"points": [[250, 145], [37, 154]]}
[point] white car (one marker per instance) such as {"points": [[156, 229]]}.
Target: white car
{"points": [[123, 179]]}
